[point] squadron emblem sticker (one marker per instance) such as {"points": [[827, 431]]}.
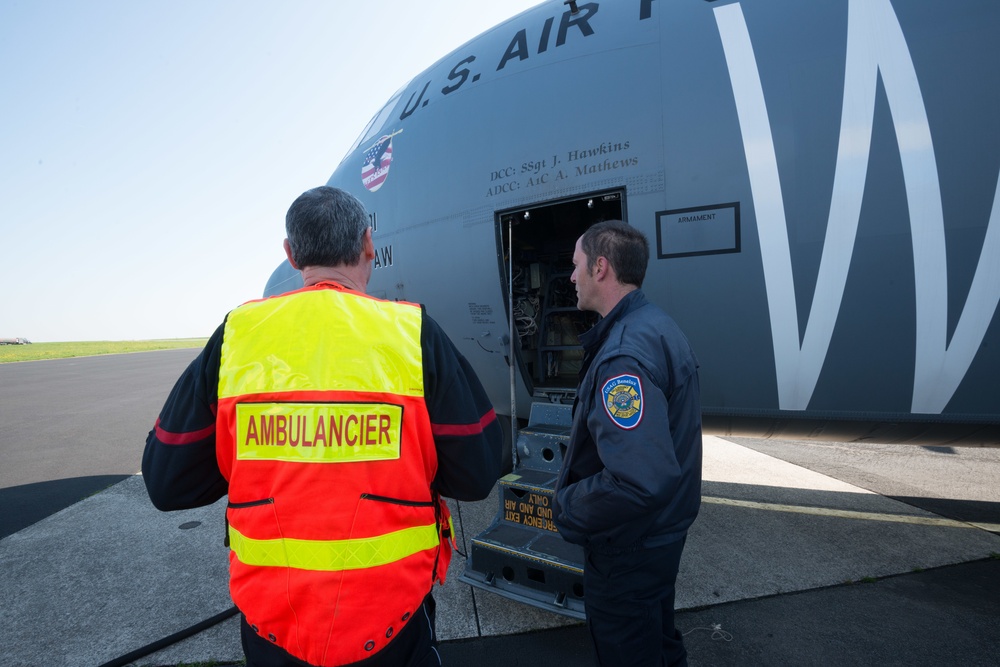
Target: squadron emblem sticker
{"points": [[623, 400], [378, 159]]}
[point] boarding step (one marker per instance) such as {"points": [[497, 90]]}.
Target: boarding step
{"points": [[533, 567], [521, 555], [542, 443], [526, 499]]}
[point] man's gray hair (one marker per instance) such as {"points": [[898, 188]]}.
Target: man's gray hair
{"points": [[325, 227]]}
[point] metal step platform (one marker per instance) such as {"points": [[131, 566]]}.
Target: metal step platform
{"points": [[521, 555]]}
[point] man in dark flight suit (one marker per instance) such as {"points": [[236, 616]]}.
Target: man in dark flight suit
{"points": [[630, 484]]}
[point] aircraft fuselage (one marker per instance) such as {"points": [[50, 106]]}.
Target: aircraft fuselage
{"points": [[818, 182]]}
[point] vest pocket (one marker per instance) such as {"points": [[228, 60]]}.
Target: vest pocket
{"points": [[246, 516], [397, 501], [252, 503], [409, 526]]}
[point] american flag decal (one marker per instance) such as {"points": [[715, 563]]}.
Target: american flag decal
{"points": [[377, 160]]}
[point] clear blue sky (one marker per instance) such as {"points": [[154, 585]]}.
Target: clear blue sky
{"points": [[149, 149]]}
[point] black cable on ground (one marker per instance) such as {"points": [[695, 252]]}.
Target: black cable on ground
{"points": [[172, 639]]}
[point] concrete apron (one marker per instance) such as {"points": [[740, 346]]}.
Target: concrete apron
{"points": [[111, 574]]}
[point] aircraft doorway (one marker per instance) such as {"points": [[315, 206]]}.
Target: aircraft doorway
{"points": [[536, 260]]}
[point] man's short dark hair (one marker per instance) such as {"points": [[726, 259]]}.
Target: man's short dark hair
{"points": [[625, 248], [325, 227]]}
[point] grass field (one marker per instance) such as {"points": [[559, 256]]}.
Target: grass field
{"points": [[37, 351]]}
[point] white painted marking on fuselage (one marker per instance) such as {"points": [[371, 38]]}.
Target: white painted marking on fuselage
{"points": [[875, 45]]}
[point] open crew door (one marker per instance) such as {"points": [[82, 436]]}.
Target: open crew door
{"points": [[521, 555]]}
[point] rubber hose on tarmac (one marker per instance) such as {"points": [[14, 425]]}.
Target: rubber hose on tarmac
{"points": [[172, 639]]}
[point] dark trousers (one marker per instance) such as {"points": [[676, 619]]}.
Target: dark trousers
{"points": [[629, 600], [414, 646]]}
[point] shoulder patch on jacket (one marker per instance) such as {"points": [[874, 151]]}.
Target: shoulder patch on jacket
{"points": [[623, 400]]}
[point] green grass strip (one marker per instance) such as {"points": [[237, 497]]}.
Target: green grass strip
{"points": [[36, 351]]}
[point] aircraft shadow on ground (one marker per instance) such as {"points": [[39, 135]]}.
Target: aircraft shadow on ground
{"points": [[28, 504]]}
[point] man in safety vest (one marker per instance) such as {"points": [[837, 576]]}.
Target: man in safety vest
{"points": [[335, 422]]}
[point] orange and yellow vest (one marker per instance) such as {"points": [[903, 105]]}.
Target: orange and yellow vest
{"points": [[325, 439]]}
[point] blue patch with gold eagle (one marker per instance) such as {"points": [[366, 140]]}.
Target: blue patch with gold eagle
{"points": [[623, 400]]}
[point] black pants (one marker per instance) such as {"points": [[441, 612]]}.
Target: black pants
{"points": [[414, 646], [629, 600]]}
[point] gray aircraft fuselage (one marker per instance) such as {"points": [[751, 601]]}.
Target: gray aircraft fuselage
{"points": [[818, 181]]}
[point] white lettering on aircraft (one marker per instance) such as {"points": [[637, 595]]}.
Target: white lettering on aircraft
{"points": [[875, 46]]}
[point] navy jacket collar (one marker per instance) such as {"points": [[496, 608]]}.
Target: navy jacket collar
{"points": [[593, 339]]}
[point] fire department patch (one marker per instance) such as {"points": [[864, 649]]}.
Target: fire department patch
{"points": [[623, 400]]}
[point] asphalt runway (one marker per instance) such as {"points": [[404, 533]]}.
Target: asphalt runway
{"points": [[69, 429], [72, 427]]}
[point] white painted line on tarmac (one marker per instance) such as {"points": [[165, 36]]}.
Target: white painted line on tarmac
{"points": [[850, 514]]}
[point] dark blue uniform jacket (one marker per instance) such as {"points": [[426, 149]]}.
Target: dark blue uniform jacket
{"points": [[631, 476]]}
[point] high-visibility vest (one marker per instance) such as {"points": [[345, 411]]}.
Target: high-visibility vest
{"points": [[325, 439]]}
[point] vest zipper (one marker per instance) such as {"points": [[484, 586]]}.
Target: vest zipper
{"points": [[397, 501], [252, 503]]}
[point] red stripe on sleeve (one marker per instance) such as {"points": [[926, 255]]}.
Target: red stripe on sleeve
{"points": [[168, 438], [465, 429]]}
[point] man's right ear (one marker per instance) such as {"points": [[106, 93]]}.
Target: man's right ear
{"points": [[288, 254], [367, 245]]}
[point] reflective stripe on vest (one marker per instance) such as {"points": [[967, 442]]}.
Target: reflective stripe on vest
{"points": [[283, 332], [334, 555]]}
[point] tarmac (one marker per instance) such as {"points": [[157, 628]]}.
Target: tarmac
{"points": [[785, 565]]}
